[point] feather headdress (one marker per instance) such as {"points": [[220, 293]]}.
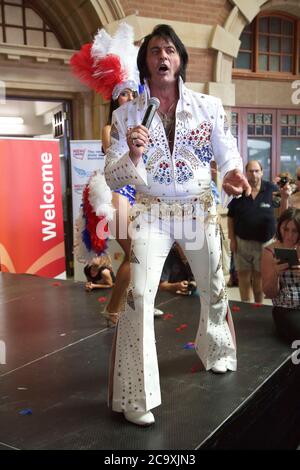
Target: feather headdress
{"points": [[108, 64]]}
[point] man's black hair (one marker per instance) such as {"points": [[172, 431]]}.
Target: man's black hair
{"points": [[166, 32], [112, 107]]}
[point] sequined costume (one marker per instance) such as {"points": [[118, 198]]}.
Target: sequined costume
{"points": [[129, 192], [174, 199]]}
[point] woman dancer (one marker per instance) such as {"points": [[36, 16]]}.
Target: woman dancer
{"points": [[108, 66], [121, 200]]}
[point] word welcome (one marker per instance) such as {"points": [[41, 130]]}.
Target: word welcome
{"points": [[48, 206]]}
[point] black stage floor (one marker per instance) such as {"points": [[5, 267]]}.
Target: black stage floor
{"points": [[57, 348]]}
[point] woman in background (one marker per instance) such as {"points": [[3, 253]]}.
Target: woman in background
{"points": [[177, 276], [280, 282], [99, 274]]}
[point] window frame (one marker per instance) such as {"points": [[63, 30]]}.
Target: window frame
{"points": [[23, 27], [242, 135], [267, 74]]}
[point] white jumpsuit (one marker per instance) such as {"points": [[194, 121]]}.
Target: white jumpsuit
{"points": [[174, 202]]}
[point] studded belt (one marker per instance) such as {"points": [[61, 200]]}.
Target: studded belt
{"points": [[176, 207]]}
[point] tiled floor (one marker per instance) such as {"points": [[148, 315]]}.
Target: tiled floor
{"points": [[233, 294]]}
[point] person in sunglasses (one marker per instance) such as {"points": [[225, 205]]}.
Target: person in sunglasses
{"points": [[290, 194]]}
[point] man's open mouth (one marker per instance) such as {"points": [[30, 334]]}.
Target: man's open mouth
{"points": [[163, 68]]}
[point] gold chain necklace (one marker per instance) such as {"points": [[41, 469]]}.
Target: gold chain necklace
{"points": [[168, 123], [165, 118]]}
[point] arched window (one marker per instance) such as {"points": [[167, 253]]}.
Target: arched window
{"points": [[270, 46], [20, 24]]}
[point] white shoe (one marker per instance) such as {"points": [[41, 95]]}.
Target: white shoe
{"points": [[141, 418], [158, 313], [220, 367]]}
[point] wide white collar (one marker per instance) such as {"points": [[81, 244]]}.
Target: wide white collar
{"points": [[183, 94]]}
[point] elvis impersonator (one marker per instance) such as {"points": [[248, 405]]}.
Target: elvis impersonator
{"points": [[169, 165]]}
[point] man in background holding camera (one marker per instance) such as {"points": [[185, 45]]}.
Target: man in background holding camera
{"points": [[251, 225], [290, 192]]}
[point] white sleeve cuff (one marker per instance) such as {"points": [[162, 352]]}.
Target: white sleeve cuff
{"points": [[123, 171]]}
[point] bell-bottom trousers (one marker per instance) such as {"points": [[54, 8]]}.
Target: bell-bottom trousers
{"points": [[136, 384]]}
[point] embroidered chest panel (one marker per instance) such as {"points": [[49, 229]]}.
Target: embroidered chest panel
{"points": [[192, 150]]}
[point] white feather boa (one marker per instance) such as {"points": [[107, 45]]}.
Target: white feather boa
{"points": [[80, 251], [100, 197]]}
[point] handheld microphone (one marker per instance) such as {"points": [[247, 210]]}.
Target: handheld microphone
{"points": [[154, 104]]}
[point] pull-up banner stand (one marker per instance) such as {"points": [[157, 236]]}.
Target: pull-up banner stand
{"points": [[31, 216], [86, 158]]}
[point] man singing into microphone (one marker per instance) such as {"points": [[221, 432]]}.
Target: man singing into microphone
{"points": [[169, 164]]}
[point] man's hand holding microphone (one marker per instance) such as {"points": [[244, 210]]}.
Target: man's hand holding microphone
{"points": [[138, 137]]}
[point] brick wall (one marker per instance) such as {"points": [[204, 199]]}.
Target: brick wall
{"points": [[193, 11], [208, 12], [200, 68]]}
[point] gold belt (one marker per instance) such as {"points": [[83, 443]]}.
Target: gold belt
{"points": [[164, 207]]}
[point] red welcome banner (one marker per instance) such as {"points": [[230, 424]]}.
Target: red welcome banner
{"points": [[31, 217]]}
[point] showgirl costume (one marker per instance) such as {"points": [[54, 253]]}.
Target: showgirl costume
{"points": [[108, 66]]}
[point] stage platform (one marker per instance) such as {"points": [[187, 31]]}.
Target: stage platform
{"points": [[53, 385]]}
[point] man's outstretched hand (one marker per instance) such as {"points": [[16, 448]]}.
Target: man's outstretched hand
{"points": [[235, 183]]}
